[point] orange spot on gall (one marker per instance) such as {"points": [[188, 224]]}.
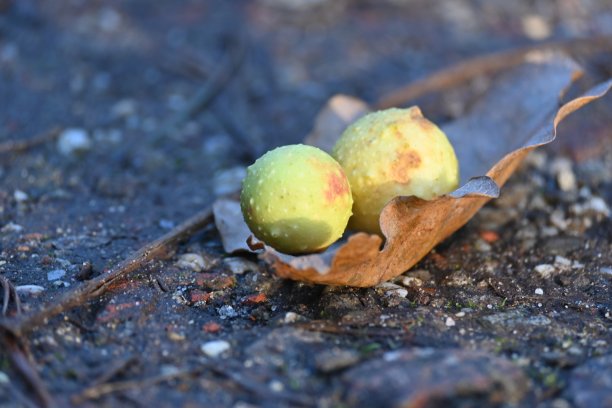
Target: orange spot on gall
{"points": [[337, 186], [403, 165]]}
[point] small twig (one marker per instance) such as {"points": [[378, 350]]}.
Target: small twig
{"points": [[97, 391], [15, 351], [335, 328], [9, 291], [158, 249], [17, 146], [485, 65], [212, 88]]}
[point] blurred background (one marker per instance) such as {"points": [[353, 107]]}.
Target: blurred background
{"points": [[128, 75]]}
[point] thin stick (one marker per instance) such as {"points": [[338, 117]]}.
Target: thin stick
{"points": [[17, 146], [322, 326], [9, 290], [484, 65], [217, 82], [158, 249], [23, 367], [100, 390]]}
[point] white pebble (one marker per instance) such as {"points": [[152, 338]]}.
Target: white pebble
{"points": [[545, 270], [55, 274], [239, 266], [215, 348], [450, 322], [391, 289], [29, 289], [12, 227], [73, 141], [539, 291], [562, 262], [191, 261], [226, 312], [276, 386], [566, 179], [20, 196], [599, 206], [411, 281], [291, 317]]}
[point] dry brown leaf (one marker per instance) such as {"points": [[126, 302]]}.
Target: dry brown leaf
{"points": [[519, 113]]}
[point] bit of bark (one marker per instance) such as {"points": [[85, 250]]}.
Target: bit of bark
{"points": [[9, 292], [485, 65], [20, 146]]}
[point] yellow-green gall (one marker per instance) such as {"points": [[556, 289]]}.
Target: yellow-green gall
{"points": [[390, 153], [296, 199]]}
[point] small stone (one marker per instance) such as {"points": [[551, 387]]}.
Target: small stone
{"points": [[166, 224], [229, 181], [598, 206], [545, 270], [539, 291], [73, 141], [215, 348], [391, 289], [199, 296], [11, 227], [562, 168], [562, 262], [411, 281], [291, 317], [194, 262], [4, 379], [557, 219], [29, 289], [606, 269], [482, 246], [55, 274], [239, 266], [450, 322], [422, 274], [335, 360], [276, 386], [20, 196], [124, 108], [535, 27], [460, 314], [61, 284], [227, 312], [549, 232]]}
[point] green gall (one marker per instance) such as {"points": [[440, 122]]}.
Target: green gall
{"points": [[296, 199], [390, 153]]}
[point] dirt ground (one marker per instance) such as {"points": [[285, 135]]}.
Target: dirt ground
{"points": [[515, 309]]}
